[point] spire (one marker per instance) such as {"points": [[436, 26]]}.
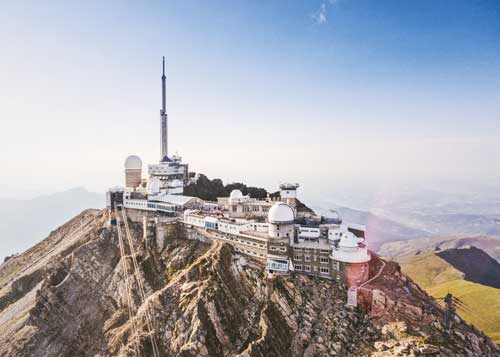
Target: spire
{"points": [[163, 89], [164, 118]]}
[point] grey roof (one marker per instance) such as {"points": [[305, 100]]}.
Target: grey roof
{"points": [[174, 199]]}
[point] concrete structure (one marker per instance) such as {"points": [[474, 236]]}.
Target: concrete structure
{"points": [[239, 206], [133, 171], [170, 172], [288, 193], [320, 247]]}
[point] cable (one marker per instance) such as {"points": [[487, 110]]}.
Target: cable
{"points": [[149, 322], [129, 291]]}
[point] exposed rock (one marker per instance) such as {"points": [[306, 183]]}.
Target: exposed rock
{"points": [[428, 349], [67, 296]]}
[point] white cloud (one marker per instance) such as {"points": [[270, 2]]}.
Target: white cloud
{"points": [[320, 15]]}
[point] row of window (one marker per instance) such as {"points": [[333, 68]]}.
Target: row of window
{"points": [[277, 266], [247, 208], [280, 249], [307, 268], [307, 258], [323, 251]]}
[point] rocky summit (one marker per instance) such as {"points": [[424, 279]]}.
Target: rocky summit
{"points": [[74, 295]]}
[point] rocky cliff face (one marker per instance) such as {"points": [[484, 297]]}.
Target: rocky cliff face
{"points": [[67, 296]]}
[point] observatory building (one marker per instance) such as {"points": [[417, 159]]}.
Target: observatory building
{"points": [[279, 230]]}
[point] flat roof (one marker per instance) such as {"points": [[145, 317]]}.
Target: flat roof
{"points": [[175, 199]]}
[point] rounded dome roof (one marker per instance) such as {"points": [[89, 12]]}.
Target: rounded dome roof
{"points": [[281, 213], [133, 162], [236, 194], [348, 240]]}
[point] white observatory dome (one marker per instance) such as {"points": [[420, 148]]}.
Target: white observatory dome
{"points": [[236, 194], [281, 213], [154, 186], [348, 240], [133, 162]]}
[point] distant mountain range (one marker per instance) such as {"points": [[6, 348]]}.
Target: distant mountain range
{"points": [[25, 222], [489, 244], [467, 273]]}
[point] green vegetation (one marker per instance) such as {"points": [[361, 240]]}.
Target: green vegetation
{"points": [[209, 190], [438, 278], [483, 302], [429, 270]]}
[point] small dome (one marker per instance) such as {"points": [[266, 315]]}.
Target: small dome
{"points": [[133, 162], [348, 240], [281, 213], [236, 194]]}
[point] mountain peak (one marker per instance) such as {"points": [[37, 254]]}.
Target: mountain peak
{"points": [[67, 296], [476, 265]]}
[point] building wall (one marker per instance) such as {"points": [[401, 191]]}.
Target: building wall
{"points": [[310, 261], [133, 177], [246, 209], [355, 274], [315, 262], [251, 246], [281, 230]]}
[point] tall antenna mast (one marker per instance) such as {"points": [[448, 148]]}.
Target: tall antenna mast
{"points": [[163, 89], [164, 117]]}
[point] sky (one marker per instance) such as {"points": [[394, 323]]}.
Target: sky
{"points": [[337, 95]]}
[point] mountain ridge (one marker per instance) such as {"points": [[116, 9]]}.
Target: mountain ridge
{"points": [[67, 296], [467, 273]]}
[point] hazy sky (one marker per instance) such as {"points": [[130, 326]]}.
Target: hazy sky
{"points": [[326, 93]]}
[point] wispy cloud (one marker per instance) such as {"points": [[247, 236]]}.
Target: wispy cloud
{"points": [[320, 15]]}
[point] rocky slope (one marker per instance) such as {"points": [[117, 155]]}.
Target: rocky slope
{"points": [[67, 297], [467, 273]]}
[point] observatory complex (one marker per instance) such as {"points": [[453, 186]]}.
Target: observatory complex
{"points": [[279, 231]]}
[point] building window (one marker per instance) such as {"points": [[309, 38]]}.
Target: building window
{"points": [[307, 258], [298, 267], [298, 257], [325, 251], [324, 260], [307, 268], [297, 249], [273, 248], [324, 270]]}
